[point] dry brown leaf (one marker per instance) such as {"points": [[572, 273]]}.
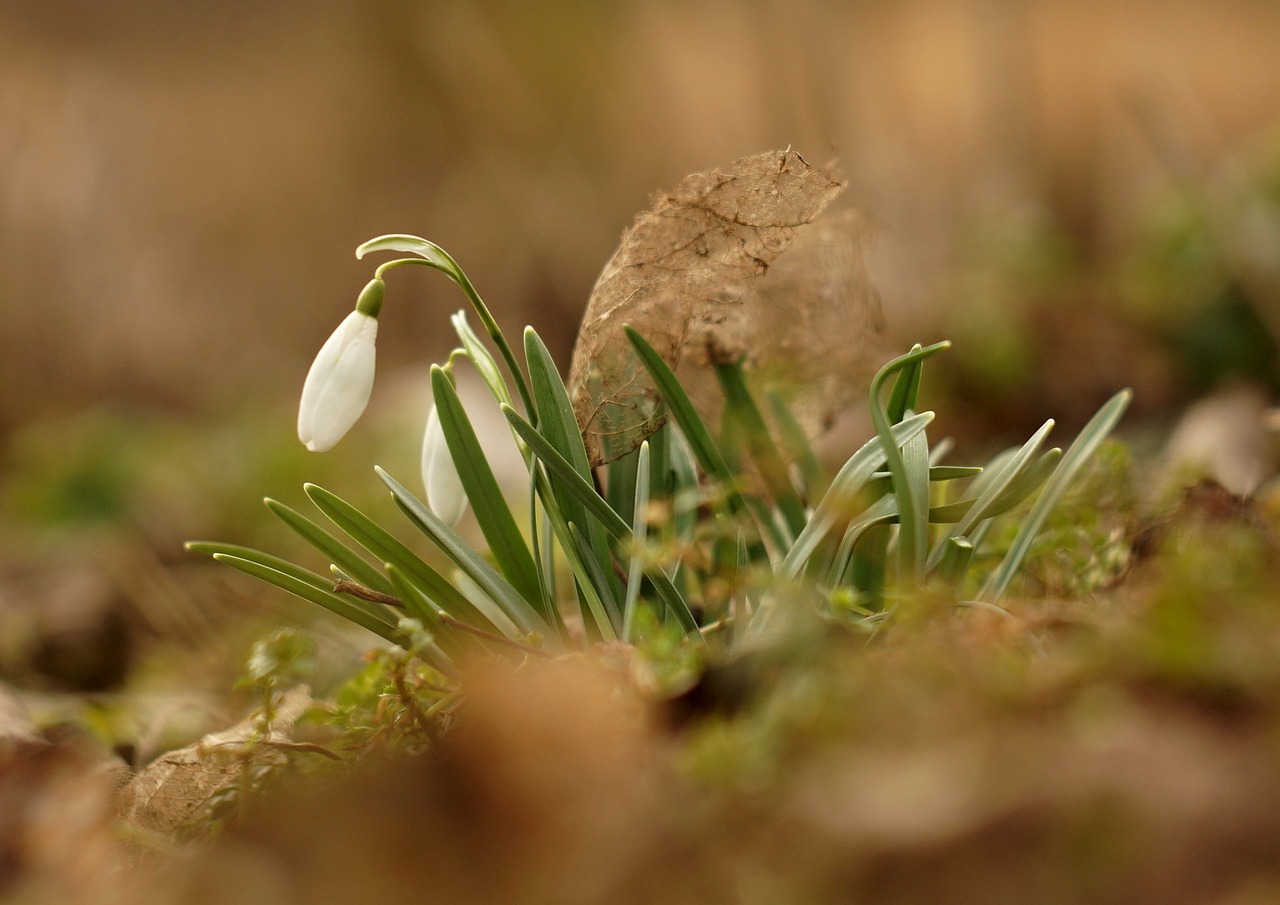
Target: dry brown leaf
{"points": [[702, 276], [173, 792]]}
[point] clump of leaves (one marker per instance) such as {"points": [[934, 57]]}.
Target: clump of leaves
{"points": [[719, 532]]}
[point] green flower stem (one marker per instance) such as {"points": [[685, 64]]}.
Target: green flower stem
{"points": [[455, 273]]}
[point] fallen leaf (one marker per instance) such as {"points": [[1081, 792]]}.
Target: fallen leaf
{"points": [[702, 275], [177, 789]]}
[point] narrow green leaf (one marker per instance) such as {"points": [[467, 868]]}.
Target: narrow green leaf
{"points": [[639, 536], [906, 389], [912, 535], [866, 570], [913, 521], [447, 642], [318, 595], [844, 489], [1089, 439], [937, 474], [298, 573], [799, 449], [374, 538], [351, 563], [485, 604], [602, 590], [543, 553], [557, 422], [518, 608], [487, 501], [683, 411], [620, 489], [884, 511], [1027, 482], [599, 509], [1000, 481], [759, 442], [485, 364], [683, 489], [591, 581], [567, 475], [957, 553]]}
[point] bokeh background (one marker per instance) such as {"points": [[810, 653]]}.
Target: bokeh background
{"points": [[1081, 195]]}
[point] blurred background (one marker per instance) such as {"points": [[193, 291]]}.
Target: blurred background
{"points": [[1081, 195]]}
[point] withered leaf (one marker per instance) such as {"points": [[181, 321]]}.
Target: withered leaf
{"points": [[177, 790], [702, 275]]}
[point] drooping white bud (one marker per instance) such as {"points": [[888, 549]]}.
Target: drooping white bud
{"points": [[339, 383], [445, 494]]}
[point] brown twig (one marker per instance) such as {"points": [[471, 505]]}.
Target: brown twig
{"points": [[342, 586]]}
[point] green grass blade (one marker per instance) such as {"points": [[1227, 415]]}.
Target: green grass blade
{"points": [[1089, 439], [759, 442], [598, 508], [542, 550], [937, 474], [844, 489], [1027, 482], [557, 422], [999, 483], [496, 521], [591, 581], [682, 489], [298, 573], [346, 559], [485, 604], [447, 642], [912, 533], [799, 450], [957, 553], [906, 389], [620, 486], [374, 538], [694, 429], [317, 595], [560, 468], [914, 521], [883, 511], [519, 609], [639, 536]]}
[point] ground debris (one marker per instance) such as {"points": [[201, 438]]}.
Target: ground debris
{"points": [[177, 792]]}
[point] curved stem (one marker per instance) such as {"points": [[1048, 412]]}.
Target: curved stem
{"points": [[455, 273]]}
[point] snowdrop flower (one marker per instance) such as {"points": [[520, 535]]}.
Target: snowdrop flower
{"points": [[445, 494], [338, 385]]}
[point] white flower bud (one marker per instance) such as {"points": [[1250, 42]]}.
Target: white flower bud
{"points": [[445, 494], [339, 383]]}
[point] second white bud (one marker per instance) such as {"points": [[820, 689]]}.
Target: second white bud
{"points": [[445, 494]]}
